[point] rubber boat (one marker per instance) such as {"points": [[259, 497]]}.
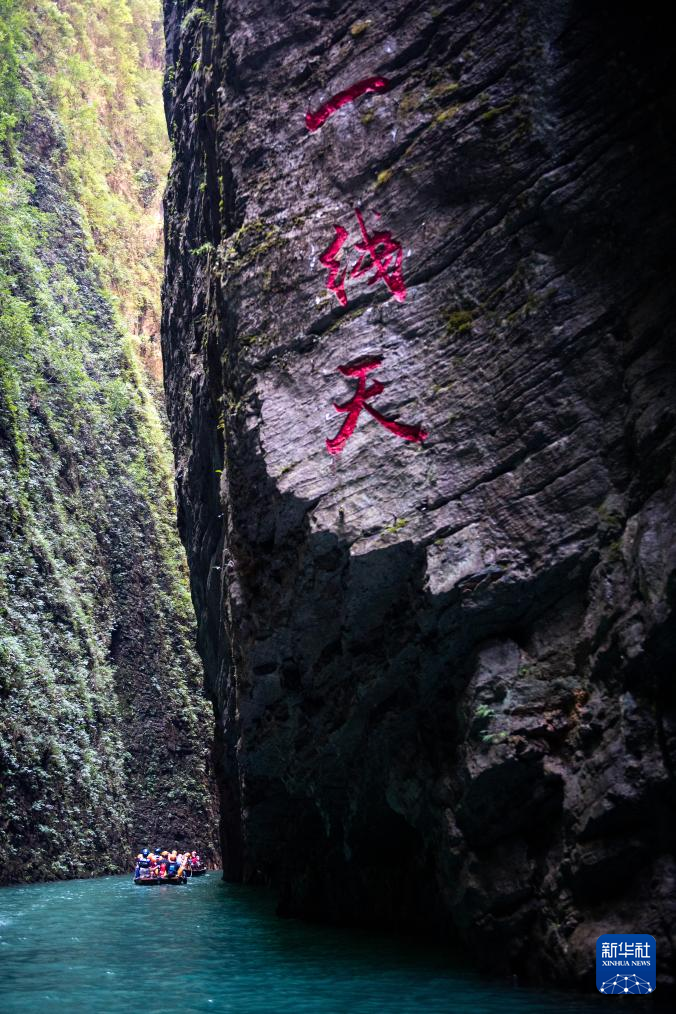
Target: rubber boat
{"points": [[159, 881], [196, 871]]}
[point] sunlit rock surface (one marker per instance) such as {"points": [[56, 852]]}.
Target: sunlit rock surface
{"points": [[443, 673]]}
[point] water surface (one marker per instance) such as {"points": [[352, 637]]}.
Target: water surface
{"points": [[91, 946]]}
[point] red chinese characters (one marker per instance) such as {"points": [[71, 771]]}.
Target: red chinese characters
{"points": [[359, 401], [379, 259], [380, 253], [315, 120]]}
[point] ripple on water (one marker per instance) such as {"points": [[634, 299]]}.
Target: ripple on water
{"points": [[110, 947]]}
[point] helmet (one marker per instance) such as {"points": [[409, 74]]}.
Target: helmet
{"points": [[146, 853], [157, 851], [193, 853]]}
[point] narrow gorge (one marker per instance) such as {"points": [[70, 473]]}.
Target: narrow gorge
{"points": [[442, 666], [101, 707], [337, 506]]}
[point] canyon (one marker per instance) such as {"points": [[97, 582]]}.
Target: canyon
{"points": [[105, 735]]}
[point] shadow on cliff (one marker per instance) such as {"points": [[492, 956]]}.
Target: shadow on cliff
{"points": [[361, 764], [368, 790]]}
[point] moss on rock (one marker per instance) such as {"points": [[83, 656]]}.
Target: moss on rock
{"points": [[100, 685]]}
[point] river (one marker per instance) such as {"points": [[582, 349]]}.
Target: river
{"points": [[91, 946]]}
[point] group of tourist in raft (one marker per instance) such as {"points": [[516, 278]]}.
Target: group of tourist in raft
{"points": [[156, 865]]}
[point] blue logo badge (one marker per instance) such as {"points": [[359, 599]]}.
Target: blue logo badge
{"points": [[626, 963]]}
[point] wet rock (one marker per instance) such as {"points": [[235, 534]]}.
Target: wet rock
{"points": [[441, 671]]}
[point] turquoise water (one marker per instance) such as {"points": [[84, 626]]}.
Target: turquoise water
{"points": [[106, 946]]}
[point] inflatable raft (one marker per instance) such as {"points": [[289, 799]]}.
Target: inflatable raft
{"points": [[158, 881]]}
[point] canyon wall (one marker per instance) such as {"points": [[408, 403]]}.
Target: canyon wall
{"points": [[442, 665], [104, 728]]}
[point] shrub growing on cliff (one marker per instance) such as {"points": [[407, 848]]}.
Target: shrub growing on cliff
{"points": [[13, 97]]}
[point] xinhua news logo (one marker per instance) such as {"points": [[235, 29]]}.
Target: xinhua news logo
{"points": [[626, 963]]}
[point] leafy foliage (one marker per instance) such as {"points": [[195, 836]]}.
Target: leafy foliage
{"points": [[12, 95], [103, 64], [99, 681]]}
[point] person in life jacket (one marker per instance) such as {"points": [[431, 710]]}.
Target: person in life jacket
{"points": [[144, 862]]}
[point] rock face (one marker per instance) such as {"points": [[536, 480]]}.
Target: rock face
{"points": [[104, 729], [442, 672]]}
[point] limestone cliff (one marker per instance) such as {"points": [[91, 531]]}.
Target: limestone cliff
{"points": [[442, 670], [104, 730]]}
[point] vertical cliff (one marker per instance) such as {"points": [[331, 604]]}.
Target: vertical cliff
{"points": [[443, 667], [104, 731]]}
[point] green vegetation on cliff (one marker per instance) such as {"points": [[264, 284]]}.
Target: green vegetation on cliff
{"points": [[104, 730], [11, 93], [104, 62]]}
